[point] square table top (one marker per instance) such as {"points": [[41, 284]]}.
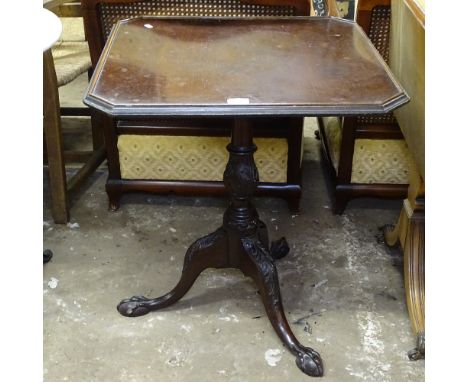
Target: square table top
{"points": [[304, 66]]}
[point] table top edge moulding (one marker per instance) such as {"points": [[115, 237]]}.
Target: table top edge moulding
{"points": [[127, 109]]}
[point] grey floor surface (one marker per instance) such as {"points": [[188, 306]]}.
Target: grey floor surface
{"points": [[342, 290]]}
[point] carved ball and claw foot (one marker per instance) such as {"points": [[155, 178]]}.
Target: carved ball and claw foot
{"points": [[279, 248], [309, 362], [46, 256], [134, 306]]}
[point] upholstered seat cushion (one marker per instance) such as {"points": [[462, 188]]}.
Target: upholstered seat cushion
{"points": [[70, 60], [165, 157], [374, 161], [71, 52], [72, 29]]}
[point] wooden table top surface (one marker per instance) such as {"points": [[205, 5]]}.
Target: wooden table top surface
{"points": [[155, 66]]}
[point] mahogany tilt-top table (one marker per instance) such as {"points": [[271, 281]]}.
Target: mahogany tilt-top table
{"points": [[240, 69]]}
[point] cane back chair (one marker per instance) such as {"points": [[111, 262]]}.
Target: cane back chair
{"points": [[367, 155], [146, 156], [63, 63]]}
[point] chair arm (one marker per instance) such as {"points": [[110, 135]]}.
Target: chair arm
{"points": [[332, 8], [70, 9], [64, 8]]}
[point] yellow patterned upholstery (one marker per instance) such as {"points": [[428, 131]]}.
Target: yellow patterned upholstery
{"points": [[380, 161], [375, 160], [166, 157]]}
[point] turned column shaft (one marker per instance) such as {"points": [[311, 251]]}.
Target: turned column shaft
{"points": [[241, 175], [241, 133], [240, 179]]}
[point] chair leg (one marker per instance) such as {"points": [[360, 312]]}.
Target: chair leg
{"points": [[96, 131], [96, 127], [340, 202], [53, 136], [114, 193], [294, 202]]}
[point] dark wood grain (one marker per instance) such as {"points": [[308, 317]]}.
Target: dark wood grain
{"points": [[241, 242], [96, 29], [181, 67], [97, 38], [283, 66]]}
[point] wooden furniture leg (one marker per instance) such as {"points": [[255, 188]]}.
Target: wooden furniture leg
{"points": [[46, 256], [409, 232], [96, 128], [53, 138], [59, 186], [242, 242]]}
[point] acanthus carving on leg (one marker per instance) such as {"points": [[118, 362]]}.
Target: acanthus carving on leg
{"points": [[210, 251], [266, 277], [265, 265], [200, 244]]}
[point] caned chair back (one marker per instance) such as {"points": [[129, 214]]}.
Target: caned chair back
{"points": [[374, 17], [101, 15]]}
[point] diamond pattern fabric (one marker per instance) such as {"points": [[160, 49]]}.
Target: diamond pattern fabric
{"points": [[165, 157], [375, 160]]}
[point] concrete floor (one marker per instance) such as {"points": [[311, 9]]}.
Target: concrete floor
{"points": [[342, 290]]}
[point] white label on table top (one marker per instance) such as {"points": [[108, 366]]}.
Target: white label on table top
{"points": [[238, 101]]}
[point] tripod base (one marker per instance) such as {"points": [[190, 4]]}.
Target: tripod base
{"points": [[242, 242]]}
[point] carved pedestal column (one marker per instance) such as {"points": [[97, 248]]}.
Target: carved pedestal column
{"points": [[242, 242], [248, 241]]}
